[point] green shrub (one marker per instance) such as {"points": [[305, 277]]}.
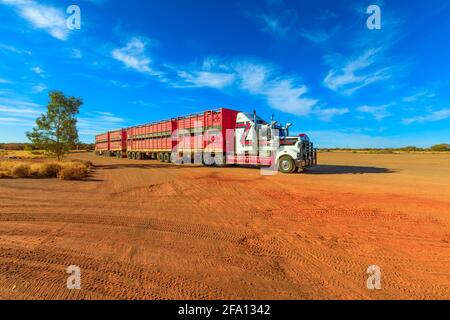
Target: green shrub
{"points": [[441, 147]]}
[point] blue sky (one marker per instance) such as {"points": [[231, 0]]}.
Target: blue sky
{"points": [[312, 63]]}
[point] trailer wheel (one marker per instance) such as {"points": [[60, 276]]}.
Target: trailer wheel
{"points": [[138, 156], [173, 157], [160, 157], [219, 160], [286, 165], [119, 155], [166, 157]]}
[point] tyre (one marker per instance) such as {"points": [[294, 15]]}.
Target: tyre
{"points": [[286, 165], [219, 160], [208, 160], [166, 157], [160, 157], [138, 156], [173, 158], [119, 155]]}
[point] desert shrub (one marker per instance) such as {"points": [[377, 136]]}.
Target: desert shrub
{"points": [[21, 170], [27, 147], [70, 170], [410, 149], [86, 163], [73, 171], [45, 170], [441, 147]]}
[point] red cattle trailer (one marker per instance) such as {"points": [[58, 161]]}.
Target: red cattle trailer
{"points": [[193, 133], [112, 143]]}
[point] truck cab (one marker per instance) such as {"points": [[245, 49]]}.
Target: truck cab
{"points": [[258, 142]]}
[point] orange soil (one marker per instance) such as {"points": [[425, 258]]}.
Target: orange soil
{"points": [[145, 230]]}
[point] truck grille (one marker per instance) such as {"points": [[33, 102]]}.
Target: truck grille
{"points": [[309, 154]]}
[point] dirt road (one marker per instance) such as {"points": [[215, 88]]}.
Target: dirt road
{"points": [[145, 230]]}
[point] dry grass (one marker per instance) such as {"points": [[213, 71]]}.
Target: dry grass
{"points": [[67, 170], [22, 154], [73, 170]]}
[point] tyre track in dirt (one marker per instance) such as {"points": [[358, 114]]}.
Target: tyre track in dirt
{"points": [[101, 278], [188, 229]]}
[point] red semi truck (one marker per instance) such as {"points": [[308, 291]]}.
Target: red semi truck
{"points": [[215, 137]]}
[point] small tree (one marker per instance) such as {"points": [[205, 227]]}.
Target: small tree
{"points": [[56, 132], [441, 147]]}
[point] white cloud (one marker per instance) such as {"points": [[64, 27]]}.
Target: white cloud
{"points": [[356, 74], [5, 81], [76, 54], [421, 95], [38, 70], [431, 117], [18, 103], [281, 92], [11, 121], [15, 112], [217, 80], [327, 114], [6, 48], [97, 122], [27, 112], [40, 16], [134, 56], [317, 36], [378, 112], [39, 88], [272, 24], [277, 19]]}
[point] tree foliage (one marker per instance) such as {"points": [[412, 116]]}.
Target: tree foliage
{"points": [[441, 147], [56, 131]]}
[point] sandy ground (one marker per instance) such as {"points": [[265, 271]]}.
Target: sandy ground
{"points": [[145, 230]]}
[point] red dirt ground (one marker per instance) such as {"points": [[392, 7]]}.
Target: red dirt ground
{"points": [[145, 230]]}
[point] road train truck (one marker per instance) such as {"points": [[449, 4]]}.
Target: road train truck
{"points": [[214, 138]]}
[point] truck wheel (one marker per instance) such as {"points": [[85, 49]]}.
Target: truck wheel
{"points": [[138, 156], [286, 165], [173, 158], [219, 160], [166, 157], [119, 155], [160, 157]]}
